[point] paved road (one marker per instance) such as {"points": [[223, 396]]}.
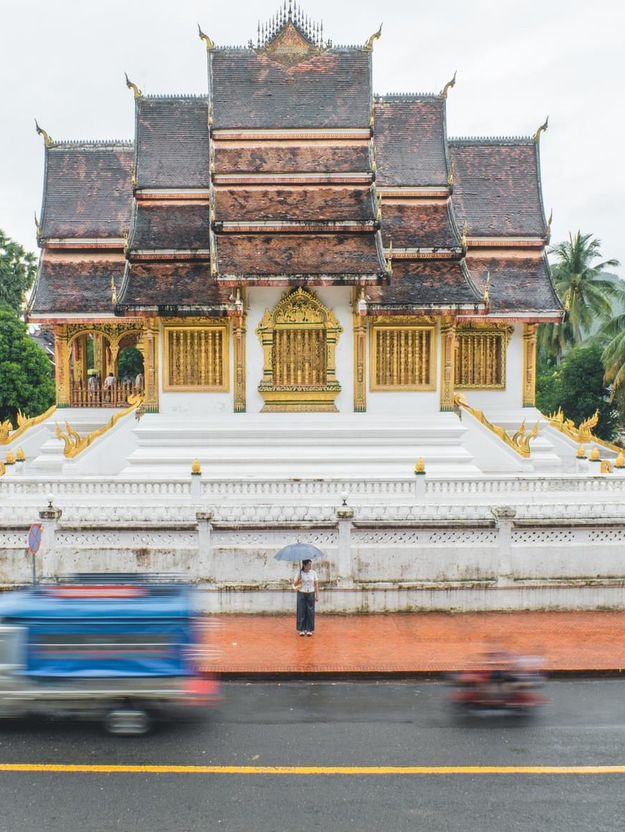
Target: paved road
{"points": [[327, 725]]}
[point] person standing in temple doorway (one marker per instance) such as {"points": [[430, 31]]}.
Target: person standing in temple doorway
{"points": [[307, 586]]}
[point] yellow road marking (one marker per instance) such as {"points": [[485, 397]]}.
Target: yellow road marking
{"points": [[303, 771]]}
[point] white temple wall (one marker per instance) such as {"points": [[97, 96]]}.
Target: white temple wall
{"points": [[511, 398]]}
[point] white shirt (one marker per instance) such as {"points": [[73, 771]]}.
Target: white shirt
{"points": [[308, 580]]}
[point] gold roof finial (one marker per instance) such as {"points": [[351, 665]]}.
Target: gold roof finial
{"points": [[389, 258], [47, 138], [37, 224], [486, 297], [113, 291], [549, 221], [135, 89], [210, 43], [449, 85], [452, 173], [375, 36], [378, 213], [464, 240], [543, 127]]}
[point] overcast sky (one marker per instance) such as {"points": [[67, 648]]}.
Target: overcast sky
{"points": [[63, 61]]}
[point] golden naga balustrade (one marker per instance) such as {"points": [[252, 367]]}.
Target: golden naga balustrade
{"points": [[582, 434], [8, 435], [519, 442], [75, 444]]}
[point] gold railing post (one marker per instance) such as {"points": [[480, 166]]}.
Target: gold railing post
{"points": [[240, 369], [529, 365], [360, 364], [62, 366], [448, 356], [150, 366]]}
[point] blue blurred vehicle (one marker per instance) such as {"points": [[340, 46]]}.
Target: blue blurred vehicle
{"points": [[125, 649]]}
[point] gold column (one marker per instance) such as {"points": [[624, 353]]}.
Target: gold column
{"points": [[448, 356], [240, 369], [360, 364], [529, 365], [150, 365], [62, 366], [99, 356]]}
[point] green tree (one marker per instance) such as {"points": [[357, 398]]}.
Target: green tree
{"points": [[130, 363], [25, 372], [577, 386], [17, 273], [586, 294]]}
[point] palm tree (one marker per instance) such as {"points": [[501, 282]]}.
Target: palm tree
{"points": [[586, 294]]}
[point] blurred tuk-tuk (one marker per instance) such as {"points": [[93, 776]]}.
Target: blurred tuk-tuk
{"points": [[125, 649]]}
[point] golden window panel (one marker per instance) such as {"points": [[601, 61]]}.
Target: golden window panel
{"points": [[299, 358], [402, 357], [196, 358], [481, 359]]}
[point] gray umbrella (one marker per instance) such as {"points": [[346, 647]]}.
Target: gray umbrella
{"points": [[299, 551]]}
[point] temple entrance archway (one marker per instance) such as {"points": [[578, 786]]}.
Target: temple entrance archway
{"points": [[94, 358]]}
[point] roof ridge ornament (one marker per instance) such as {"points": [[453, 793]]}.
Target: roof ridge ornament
{"points": [[375, 36], [449, 85], [486, 296], [210, 43], [47, 138], [131, 86], [542, 129]]}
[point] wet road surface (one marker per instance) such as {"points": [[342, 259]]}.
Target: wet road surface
{"points": [[200, 777]]}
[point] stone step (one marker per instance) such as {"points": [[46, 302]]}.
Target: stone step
{"points": [[295, 445]]}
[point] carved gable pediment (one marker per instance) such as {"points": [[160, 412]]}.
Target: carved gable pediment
{"points": [[290, 47]]}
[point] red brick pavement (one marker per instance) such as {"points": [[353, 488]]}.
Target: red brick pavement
{"points": [[406, 643]]}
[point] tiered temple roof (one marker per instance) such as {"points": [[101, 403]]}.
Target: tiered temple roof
{"points": [[290, 172]]}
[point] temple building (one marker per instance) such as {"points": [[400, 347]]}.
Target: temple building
{"points": [[291, 309], [291, 243]]}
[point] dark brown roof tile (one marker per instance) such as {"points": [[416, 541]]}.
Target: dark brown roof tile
{"points": [[497, 187], [172, 142], [87, 190], [409, 136], [328, 90]]}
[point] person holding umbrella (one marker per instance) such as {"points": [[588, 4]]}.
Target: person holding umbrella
{"points": [[307, 586], [306, 583]]}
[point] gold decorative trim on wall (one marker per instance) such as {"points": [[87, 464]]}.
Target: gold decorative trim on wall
{"points": [[196, 357], [403, 354], [299, 337], [529, 365], [448, 361], [480, 357], [240, 370], [360, 364]]}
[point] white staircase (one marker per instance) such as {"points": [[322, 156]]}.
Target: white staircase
{"points": [[300, 445]]}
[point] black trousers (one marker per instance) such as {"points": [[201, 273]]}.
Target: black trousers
{"points": [[305, 612]]}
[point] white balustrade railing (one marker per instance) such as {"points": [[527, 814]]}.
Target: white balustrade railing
{"points": [[14, 488]]}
